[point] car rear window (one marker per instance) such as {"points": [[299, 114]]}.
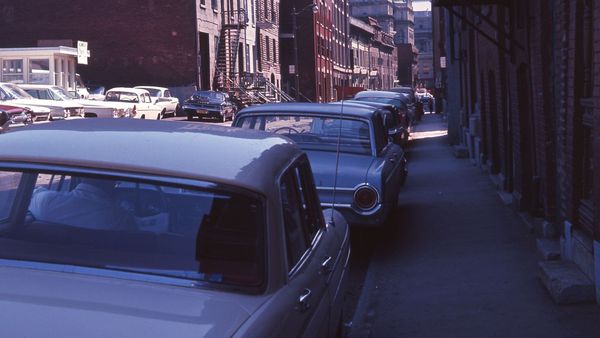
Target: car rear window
{"points": [[213, 236], [316, 133]]}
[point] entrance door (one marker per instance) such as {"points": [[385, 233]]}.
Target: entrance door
{"points": [[204, 56]]}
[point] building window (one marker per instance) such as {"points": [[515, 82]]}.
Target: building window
{"points": [[274, 51], [202, 3], [214, 4], [12, 71], [267, 49], [39, 71]]}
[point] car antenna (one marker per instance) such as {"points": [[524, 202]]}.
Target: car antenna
{"points": [[337, 159]]}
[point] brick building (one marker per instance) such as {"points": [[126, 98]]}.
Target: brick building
{"points": [[523, 95], [374, 55], [424, 43], [322, 48], [404, 18], [131, 42]]}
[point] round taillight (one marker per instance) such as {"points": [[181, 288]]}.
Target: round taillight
{"points": [[365, 197]]}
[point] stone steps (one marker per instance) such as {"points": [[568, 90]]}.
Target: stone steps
{"points": [[566, 283]]}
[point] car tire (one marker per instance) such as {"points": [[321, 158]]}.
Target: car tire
{"points": [[222, 118], [177, 110], [190, 117], [161, 115]]}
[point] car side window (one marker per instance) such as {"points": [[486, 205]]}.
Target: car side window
{"points": [[301, 211], [9, 182], [296, 237], [167, 93], [310, 200]]}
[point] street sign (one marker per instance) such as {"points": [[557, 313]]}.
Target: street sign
{"points": [[82, 52], [292, 69], [442, 62]]}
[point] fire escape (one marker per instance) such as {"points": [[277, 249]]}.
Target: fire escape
{"points": [[249, 88]]}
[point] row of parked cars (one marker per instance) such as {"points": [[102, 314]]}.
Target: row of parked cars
{"points": [[243, 231], [28, 103]]}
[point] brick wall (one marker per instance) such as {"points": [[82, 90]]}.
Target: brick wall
{"points": [[131, 42]]}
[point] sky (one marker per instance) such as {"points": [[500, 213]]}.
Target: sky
{"points": [[420, 5]]}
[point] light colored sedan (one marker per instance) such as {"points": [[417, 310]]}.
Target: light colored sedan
{"points": [[91, 108], [137, 102], [11, 94], [109, 237], [162, 97], [357, 169]]}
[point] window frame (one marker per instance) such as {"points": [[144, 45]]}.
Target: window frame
{"points": [[301, 166]]}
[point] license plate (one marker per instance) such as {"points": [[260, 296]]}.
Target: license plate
{"points": [[202, 111]]}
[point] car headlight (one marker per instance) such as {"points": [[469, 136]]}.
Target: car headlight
{"points": [[365, 197], [66, 113]]}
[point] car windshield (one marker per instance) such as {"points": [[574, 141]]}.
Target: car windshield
{"points": [[153, 92], [121, 96], [14, 92], [213, 236], [208, 96], [61, 94], [317, 133]]}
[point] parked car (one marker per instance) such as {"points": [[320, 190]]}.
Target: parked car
{"points": [[399, 100], [23, 115], [91, 108], [208, 103], [392, 119], [371, 169], [137, 102], [162, 96], [228, 242], [13, 95]]}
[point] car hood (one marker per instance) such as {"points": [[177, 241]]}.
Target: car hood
{"points": [[47, 103], [74, 305], [352, 168]]}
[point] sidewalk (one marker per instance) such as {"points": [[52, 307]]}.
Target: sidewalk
{"points": [[458, 262]]}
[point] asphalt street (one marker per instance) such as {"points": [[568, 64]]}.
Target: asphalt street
{"points": [[454, 261]]}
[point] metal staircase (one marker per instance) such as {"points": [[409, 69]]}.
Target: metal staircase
{"points": [[226, 71], [248, 88]]}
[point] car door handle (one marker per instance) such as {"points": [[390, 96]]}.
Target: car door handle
{"points": [[326, 266], [303, 300]]}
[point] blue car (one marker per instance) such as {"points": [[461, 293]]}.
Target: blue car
{"points": [[371, 168]]}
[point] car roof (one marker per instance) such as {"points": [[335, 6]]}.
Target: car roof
{"points": [[234, 156], [128, 89], [378, 93], [35, 86], [151, 87], [366, 103], [363, 111]]}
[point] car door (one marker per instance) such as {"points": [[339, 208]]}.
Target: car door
{"points": [[147, 108], [311, 253]]}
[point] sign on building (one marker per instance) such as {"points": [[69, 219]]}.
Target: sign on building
{"points": [[82, 52], [292, 69], [442, 62]]}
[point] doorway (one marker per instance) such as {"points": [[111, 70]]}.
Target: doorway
{"points": [[204, 60]]}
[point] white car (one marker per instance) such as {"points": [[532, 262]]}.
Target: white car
{"points": [[91, 108], [136, 101], [162, 97], [12, 94]]}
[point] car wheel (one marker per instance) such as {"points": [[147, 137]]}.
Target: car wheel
{"points": [[222, 118], [161, 115], [177, 110], [190, 116]]}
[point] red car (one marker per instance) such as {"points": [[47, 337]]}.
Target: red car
{"points": [[22, 114]]}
